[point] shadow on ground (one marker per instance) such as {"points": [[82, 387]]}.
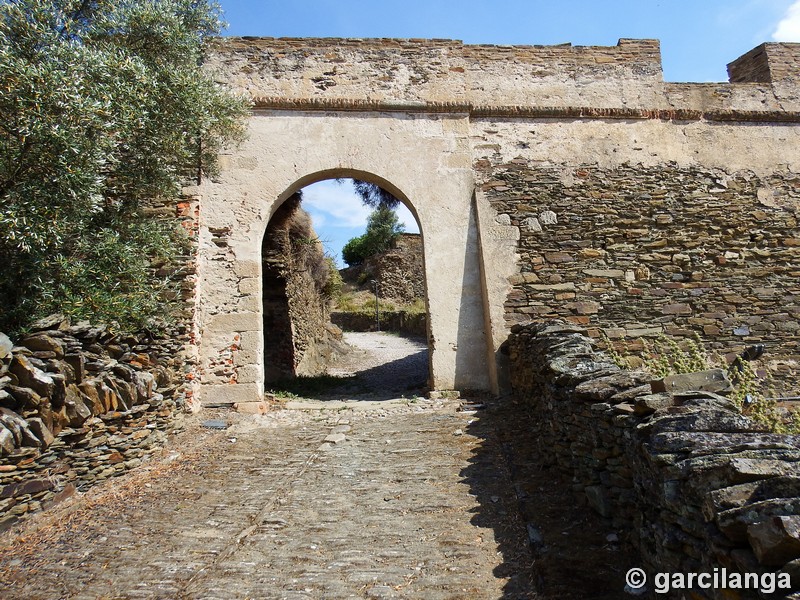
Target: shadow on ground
{"points": [[553, 546], [402, 378]]}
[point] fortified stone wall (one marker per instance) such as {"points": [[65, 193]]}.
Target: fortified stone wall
{"points": [[772, 62], [449, 76], [437, 71], [548, 181], [694, 484]]}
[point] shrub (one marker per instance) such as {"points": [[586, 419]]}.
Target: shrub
{"points": [[751, 394], [105, 108]]}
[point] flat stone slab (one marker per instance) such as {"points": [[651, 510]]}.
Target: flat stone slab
{"points": [[251, 408], [713, 380]]}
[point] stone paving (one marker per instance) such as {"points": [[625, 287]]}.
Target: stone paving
{"points": [[400, 499], [357, 493]]}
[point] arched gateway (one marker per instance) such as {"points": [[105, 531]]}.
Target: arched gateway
{"points": [[446, 127]]}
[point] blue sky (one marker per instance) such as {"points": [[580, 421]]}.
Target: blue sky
{"points": [[698, 39]]}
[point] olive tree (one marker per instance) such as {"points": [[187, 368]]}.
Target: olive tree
{"points": [[105, 108]]}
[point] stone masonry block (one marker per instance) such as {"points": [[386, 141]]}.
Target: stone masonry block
{"points": [[247, 268], [230, 394], [250, 348], [248, 374], [233, 322], [250, 285]]}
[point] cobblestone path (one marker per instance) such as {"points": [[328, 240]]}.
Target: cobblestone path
{"points": [[400, 499]]}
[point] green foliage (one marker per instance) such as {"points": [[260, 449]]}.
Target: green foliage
{"points": [[755, 399], [383, 227], [104, 109], [664, 356], [334, 283], [417, 307], [751, 394]]}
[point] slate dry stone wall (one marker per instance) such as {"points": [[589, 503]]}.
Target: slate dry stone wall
{"points": [[636, 251], [400, 321], [299, 338], [80, 404], [693, 484]]}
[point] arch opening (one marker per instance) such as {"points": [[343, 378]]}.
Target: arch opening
{"points": [[334, 328]]}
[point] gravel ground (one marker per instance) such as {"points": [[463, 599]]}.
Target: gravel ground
{"points": [[382, 366]]}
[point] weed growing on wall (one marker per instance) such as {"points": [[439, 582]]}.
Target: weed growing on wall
{"points": [[665, 356]]}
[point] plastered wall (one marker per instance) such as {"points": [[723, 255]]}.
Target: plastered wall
{"points": [[548, 181]]}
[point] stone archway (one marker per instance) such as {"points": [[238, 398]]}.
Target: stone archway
{"points": [[504, 152], [286, 151], [299, 339]]}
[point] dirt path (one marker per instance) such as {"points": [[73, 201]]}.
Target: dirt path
{"points": [[372, 498], [356, 498], [382, 366]]}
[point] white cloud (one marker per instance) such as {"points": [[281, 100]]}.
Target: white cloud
{"points": [[334, 205], [788, 29]]}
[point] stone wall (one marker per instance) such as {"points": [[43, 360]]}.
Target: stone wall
{"points": [[694, 484], [79, 404], [182, 327], [434, 70], [298, 336], [399, 271], [413, 324], [634, 251], [770, 62]]}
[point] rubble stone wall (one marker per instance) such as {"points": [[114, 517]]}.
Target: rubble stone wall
{"points": [[694, 484], [299, 338], [635, 251], [413, 324], [80, 404], [435, 70], [400, 270]]}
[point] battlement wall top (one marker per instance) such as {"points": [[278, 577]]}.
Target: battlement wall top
{"points": [[437, 72], [771, 62]]}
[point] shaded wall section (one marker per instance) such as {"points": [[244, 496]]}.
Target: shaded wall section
{"points": [[692, 484], [299, 338]]}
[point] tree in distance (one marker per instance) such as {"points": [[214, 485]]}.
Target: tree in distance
{"points": [[383, 227]]}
